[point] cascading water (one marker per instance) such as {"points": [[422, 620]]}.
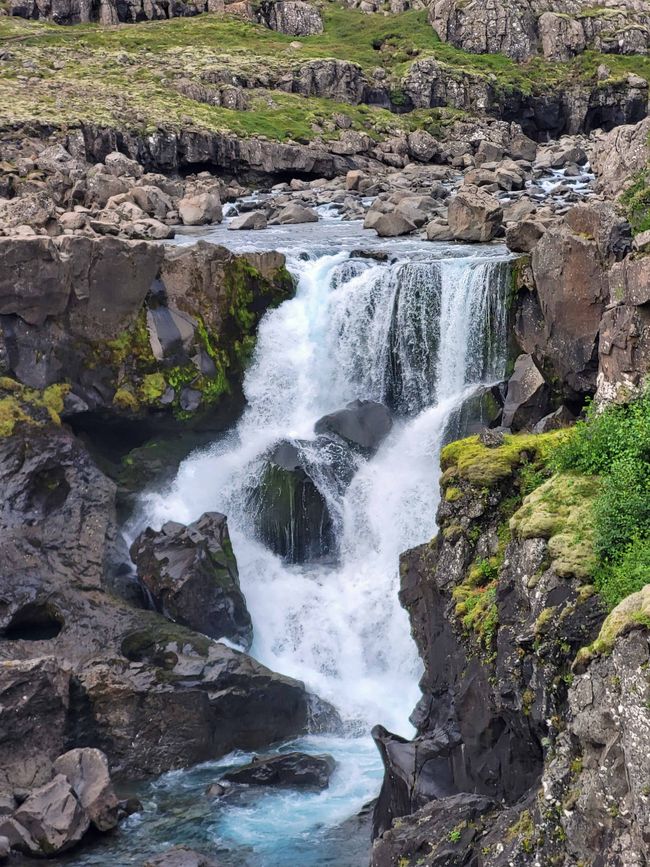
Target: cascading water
{"points": [[419, 334]]}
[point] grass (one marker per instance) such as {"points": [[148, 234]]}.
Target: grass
{"points": [[54, 73]]}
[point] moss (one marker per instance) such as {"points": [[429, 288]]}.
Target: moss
{"points": [[544, 620], [523, 828], [469, 459], [153, 387], [560, 510], [29, 405], [11, 413], [632, 613], [453, 494], [125, 399]]}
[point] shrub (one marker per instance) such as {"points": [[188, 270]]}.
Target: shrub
{"points": [[630, 573]]}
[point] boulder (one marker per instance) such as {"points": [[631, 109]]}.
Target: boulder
{"points": [[180, 856], [437, 231], [153, 201], [294, 770], [293, 17], [251, 220], [422, 146], [86, 769], [560, 418], [290, 513], [35, 210], [49, 821], [522, 237], [190, 573], [362, 423], [120, 166], [474, 215], [527, 397], [393, 224], [200, 209], [295, 213]]}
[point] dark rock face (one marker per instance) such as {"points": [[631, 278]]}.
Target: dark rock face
{"points": [[290, 513], [191, 575], [558, 323], [363, 423], [294, 17], [128, 329], [111, 675], [527, 398], [491, 684], [295, 770]]}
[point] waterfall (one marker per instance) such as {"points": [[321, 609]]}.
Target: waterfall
{"points": [[418, 335]]}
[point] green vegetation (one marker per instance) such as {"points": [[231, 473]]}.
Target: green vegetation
{"points": [[614, 444], [52, 72], [470, 460], [630, 613], [560, 510], [636, 201], [19, 404]]}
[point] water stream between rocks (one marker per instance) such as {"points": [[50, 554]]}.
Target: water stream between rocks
{"points": [[419, 327]]}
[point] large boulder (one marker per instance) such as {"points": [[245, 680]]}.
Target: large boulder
{"points": [[190, 574], [393, 224], [49, 821], [474, 215], [251, 220], [527, 398], [295, 770], [295, 213], [294, 17], [290, 513], [86, 769], [363, 423], [200, 209]]}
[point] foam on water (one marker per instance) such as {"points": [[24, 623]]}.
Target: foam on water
{"points": [[418, 333]]}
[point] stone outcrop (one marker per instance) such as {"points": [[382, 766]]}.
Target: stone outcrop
{"points": [[83, 667], [559, 29], [474, 215], [190, 573], [129, 328], [362, 423], [515, 753], [294, 17], [620, 155]]}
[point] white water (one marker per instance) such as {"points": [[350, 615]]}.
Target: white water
{"points": [[420, 334]]}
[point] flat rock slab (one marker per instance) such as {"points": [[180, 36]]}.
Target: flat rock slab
{"points": [[290, 769]]}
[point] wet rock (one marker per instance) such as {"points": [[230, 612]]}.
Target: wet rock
{"points": [[86, 770], [51, 820], [364, 423], [200, 209], [293, 214], [474, 215], [180, 856], [295, 770], [191, 575], [251, 220], [290, 513], [527, 396]]}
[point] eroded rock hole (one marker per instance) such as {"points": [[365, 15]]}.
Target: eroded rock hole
{"points": [[34, 622]]}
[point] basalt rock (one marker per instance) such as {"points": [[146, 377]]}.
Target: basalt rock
{"points": [[294, 17], [474, 215], [363, 423], [527, 398], [294, 770], [191, 576], [180, 856]]}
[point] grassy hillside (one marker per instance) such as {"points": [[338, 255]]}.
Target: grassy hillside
{"points": [[125, 74]]}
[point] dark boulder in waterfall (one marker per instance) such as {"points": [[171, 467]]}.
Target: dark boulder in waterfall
{"points": [[190, 574], [479, 411], [363, 423], [290, 513], [294, 770]]}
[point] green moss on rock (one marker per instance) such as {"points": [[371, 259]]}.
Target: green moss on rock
{"points": [[632, 613]]}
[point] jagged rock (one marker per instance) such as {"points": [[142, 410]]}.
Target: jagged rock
{"points": [[121, 166], [51, 820], [619, 155], [364, 423], [522, 237], [34, 210], [474, 215], [251, 220], [296, 770], [180, 856], [200, 209], [561, 417], [294, 17], [527, 396], [86, 770], [34, 701], [422, 146], [191, 575]]}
